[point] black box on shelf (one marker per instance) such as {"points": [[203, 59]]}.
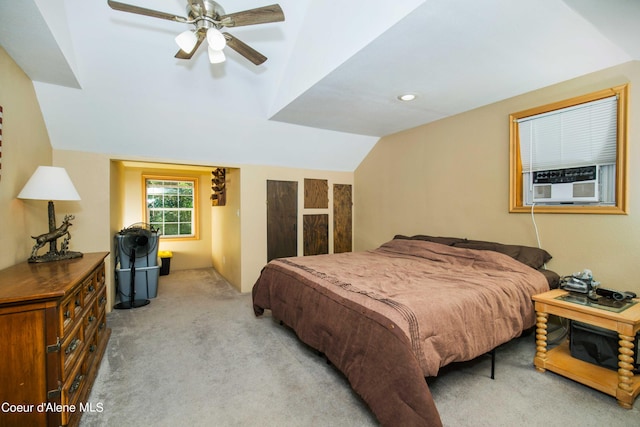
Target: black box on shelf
{"points": [[598, 345]]}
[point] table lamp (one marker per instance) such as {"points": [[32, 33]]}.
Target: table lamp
{"points": [[51, 183]]}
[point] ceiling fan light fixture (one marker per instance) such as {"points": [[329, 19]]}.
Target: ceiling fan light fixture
{"points": [[216, 39], [187, 41], [216, 56], [209, 18]]}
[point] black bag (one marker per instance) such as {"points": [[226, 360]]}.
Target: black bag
{"points": [[597, 345]]}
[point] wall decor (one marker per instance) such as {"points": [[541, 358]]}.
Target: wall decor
{"points": [[316, 193], [218, 182], [282, 219], [342, 218], [315, 234]]}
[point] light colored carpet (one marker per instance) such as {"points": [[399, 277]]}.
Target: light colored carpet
{"points": [[197, 356]]}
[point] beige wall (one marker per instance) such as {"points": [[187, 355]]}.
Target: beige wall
{"points": [[25, 146], [445, 178], [254, 212], [233, 237], [225, 229], [450, 178], [187, 253], [91, 231]]}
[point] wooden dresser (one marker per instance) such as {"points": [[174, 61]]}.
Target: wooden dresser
{"points": [[53, 334]]}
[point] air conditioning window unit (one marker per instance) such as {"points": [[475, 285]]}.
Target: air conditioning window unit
{"points": [[567, 185]]}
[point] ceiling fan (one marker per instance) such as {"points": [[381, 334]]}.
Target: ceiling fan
{"points": [[209, 17]]}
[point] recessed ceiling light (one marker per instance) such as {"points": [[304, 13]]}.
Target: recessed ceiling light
{"points": [[407, 97]]}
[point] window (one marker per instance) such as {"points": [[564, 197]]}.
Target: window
{"points": [[570, 156], [171, 205]]}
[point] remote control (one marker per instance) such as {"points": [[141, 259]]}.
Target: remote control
{"points": [[616, 295]]}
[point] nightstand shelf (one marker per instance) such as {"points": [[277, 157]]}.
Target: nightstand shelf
{"points": [[622, 385]]}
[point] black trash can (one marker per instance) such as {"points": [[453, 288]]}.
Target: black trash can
{"points": [[165, 258]]}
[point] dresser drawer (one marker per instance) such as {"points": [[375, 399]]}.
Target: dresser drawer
{"points": [[100, 277], [71, 310], [96, 342], [72, 349], [90, 318], [92, 348], [102, 326], [89, 288], [72, 390], [102, 299]]}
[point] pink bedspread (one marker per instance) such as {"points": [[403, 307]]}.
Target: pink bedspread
{"points": [[389, 317]]}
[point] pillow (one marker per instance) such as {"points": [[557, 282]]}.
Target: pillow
{"points": [[552, 277], [449, 241], [533, 257], [528, 255]]}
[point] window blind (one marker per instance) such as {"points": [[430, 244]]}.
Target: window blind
{"points": [[580, 135]]}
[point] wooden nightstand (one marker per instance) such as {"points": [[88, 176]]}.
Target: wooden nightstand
{"points": [[623, 385]]}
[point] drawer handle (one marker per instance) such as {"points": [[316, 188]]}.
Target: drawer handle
{"points": [[102, 325], [92, 348], [91, 288], [76, 384], [91, 318], [77, 303], [67, 314], [72, 346], [103, 300]]}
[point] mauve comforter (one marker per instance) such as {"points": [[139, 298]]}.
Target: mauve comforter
{"points": [[389, 317]]}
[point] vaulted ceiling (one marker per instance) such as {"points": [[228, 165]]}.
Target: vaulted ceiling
{"points": [[108, 82]]}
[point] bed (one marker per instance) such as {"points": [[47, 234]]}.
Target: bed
{"points": [[390, 317]]}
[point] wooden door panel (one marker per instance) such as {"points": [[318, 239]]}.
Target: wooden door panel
{"points": [[342, 218], [282, 219], [316, 234], [316, 193]]}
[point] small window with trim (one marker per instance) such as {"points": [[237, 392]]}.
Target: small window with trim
{"points": [[170, 205], [570, 156]]}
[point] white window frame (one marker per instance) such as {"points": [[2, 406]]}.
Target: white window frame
{"points": [[193, 210]]}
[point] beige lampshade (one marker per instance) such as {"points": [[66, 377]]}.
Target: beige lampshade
{"points": [[49, 183]]}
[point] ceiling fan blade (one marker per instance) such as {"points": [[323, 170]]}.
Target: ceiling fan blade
{"points": [[260, 15], [123, 7], [188, 55], [244, 49]]}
